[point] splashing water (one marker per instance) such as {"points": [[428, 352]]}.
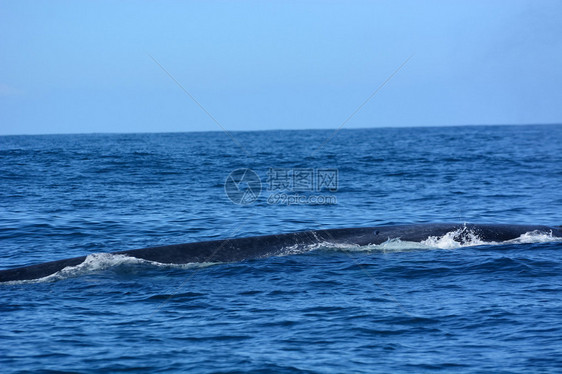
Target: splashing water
{"points": [[96, 262]]}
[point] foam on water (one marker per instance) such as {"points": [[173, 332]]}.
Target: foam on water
{"points": [[463, 237], [102, 261], [535, 237]]}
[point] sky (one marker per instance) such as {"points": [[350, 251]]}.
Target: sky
{"points": [[90, 66]]}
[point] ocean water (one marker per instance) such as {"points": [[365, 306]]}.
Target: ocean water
{"points": [[433, 306]]}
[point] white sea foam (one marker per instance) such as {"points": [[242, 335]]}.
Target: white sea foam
{"points": [[103, 261], [391, 245], [460, 238], [535, 237]]}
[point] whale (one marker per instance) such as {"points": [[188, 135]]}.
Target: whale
{"points": [[257, 247]]}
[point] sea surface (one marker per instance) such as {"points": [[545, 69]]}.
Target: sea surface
{"points": [[400, 307]]}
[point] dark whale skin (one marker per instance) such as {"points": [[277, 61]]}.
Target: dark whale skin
{"points": [[239, 249]]}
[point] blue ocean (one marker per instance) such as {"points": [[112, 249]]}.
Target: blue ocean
{"points": [[399, 307]]}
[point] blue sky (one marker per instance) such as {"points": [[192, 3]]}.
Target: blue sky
{"points": [[85, 66]]}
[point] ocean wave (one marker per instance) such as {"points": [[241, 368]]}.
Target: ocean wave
{"points": [[460, 238], [102, 261]]}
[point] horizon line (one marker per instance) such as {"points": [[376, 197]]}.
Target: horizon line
{"points": [[281, 129]]}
